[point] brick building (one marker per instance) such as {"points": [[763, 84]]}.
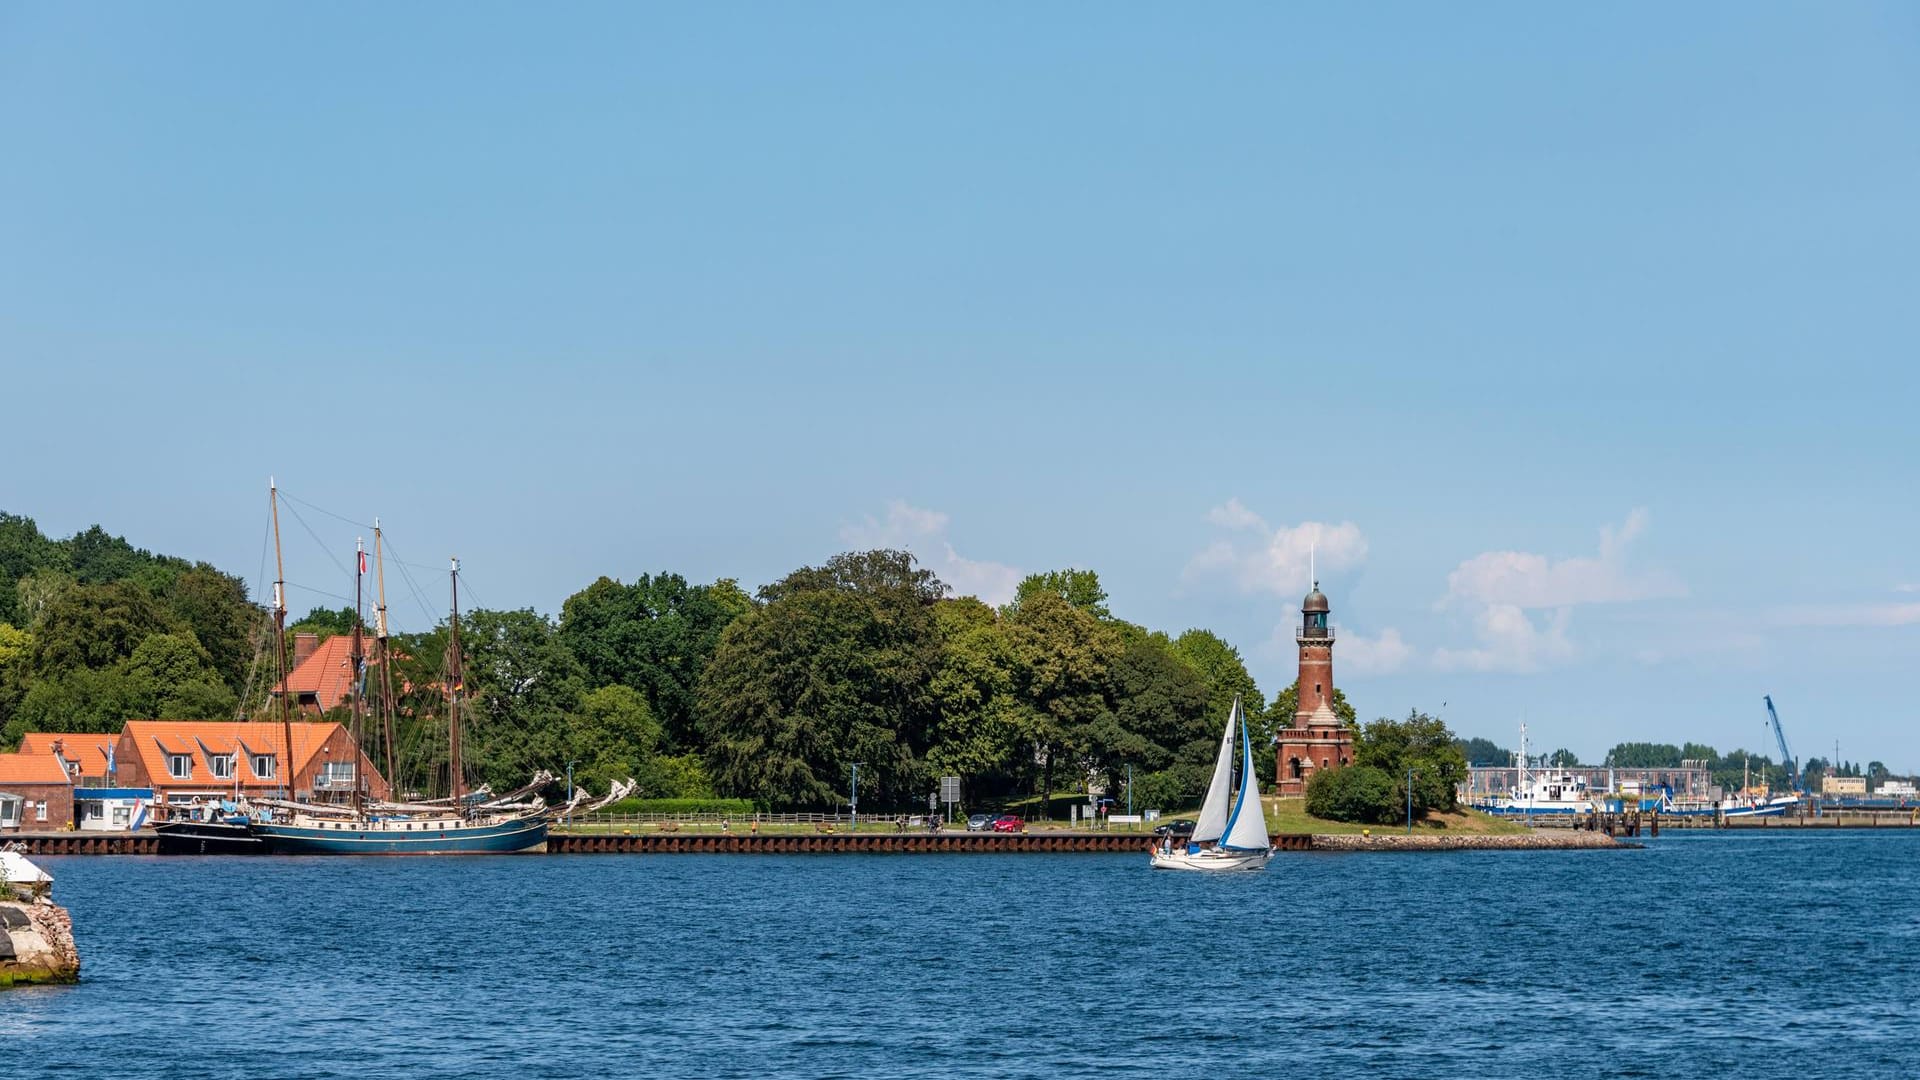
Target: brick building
{"points": [[184, 759], [1317, 739], [36, 793]]}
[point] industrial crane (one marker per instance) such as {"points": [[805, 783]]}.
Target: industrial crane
{"points": [[1786, 756]]}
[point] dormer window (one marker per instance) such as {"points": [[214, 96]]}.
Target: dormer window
{"points": [[221, 766], [180, 766], [263, 766]]}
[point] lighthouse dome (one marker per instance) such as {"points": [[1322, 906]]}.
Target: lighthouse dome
{"points": [[1315, 601]]}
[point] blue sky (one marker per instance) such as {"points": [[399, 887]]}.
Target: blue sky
{"points": [[1581, 342]]}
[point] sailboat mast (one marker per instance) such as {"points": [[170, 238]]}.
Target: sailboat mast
{"points": [[456, 668], [380, 652], [285, 764], [358, 670]]}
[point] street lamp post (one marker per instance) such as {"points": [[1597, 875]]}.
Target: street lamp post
{"points": [[853, 800], [570, 766], [1410, 775]]}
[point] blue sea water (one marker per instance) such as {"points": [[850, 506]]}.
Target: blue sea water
{"points": [[1744, 954]]}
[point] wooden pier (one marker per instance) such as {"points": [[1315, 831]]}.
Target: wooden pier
{"points": [[79, 842]]}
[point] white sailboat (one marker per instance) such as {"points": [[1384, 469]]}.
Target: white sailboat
{"points": [[1232, 831]]}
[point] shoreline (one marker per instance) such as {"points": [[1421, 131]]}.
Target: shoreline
{"points": [[1039, 842]]}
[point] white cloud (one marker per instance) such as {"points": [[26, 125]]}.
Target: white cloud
{"points": [[1509, 640], [1380, 655], [924, 532], [1526, 580], [1906, 587], [1270, 559]]}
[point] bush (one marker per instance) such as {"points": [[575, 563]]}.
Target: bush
{"points": [[1357, 793], [731, 807]]}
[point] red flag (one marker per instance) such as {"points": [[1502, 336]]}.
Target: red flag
{"points": [[363, 562]]}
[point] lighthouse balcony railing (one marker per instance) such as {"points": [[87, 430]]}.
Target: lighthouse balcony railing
{"points": [[1313, 633]]}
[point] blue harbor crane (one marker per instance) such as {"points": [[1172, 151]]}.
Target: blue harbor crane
{"points": [[1794, 779]]}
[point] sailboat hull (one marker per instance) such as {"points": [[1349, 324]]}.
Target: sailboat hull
{"points": [[518, 836], [1212, 860]]}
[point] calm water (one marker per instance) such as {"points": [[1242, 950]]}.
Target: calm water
{"points": [[1705, 955]]}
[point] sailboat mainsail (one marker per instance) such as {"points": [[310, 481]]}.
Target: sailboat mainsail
{"points": [[1213, 811], [1247, 828]]}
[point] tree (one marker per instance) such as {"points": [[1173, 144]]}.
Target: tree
{"points": [[521, 686], [225, 623], [1564, 758], [1641, 755], [613, 735], [1479, 751], [655, 635], [979, 718], [1156, 717], [1080, 588], [1421, 743], [24, 551], [326, 622], [93, 626], [1064, 655], [1358, 793], [1694, 751], [1225, 677], [836, 668]]}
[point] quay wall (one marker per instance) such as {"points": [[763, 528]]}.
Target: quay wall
{"points": [[651, 842]]}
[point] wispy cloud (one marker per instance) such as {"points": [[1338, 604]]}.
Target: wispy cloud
{"points": [[924, 532], [1501, 591], [1259, 557], [1524, 579], [1381, 655], [1508, 639], [1906, 587]]}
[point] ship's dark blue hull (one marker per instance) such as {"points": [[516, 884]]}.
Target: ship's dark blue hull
{"points": [[509, 837]]}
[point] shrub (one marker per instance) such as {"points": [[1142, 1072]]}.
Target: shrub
{"points": [[1357, 793]]}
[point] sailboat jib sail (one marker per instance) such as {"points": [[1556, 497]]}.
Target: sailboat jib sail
{"points": [[1213, 811]]}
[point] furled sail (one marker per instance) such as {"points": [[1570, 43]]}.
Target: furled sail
{"points": [[1213, 812], [1247, 829]]}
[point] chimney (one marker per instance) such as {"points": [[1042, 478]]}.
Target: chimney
{"points": [[303, 647]]}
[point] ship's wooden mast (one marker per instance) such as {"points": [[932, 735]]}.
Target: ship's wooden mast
{"points": [[358, 673], [456, 678], [280, 644], [382, 658]]}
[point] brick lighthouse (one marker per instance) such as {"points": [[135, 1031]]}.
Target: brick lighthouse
{"points": [[1317, 739]]}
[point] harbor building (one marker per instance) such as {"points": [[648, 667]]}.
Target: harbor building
{"points": [[1317, 739], [36, 792], [1843, 785], [181, 760]]}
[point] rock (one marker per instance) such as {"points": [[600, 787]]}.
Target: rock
{"points": [[36, 935], [1533, 841]]}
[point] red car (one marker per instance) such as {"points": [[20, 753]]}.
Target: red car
{"points": [[1008, 823]]}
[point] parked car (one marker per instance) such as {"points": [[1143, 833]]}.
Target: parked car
{"points": [[1009, 823], [1180, 828], [979, 822]]}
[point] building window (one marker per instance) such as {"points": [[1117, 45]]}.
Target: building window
{"points": [[180, 766], [263, 766], [340, 774], [9, 812], [221, 766], [40, 810]]}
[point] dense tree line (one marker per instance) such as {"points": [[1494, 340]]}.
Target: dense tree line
{"points": [[694, 689], [1397, 764]]}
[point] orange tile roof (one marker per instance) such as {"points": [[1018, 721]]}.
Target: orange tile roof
{"points": [[89, 751], [32, 769], [154, 739], [328, 673]]}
